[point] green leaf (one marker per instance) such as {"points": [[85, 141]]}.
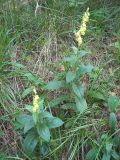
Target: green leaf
{"points": [[70, 76], [29, 108], [115, 155], [40, 103], [58, 100], [17, 125], [26, 121], [30, 142], [78, 90], [35, 117], [28, 125], [45, 114], [91, 155], [71, 59], [44, 132], [113, 121], [26, 92], [81, 104], [104, 137], [109, 147], [18, 65], [113, 103], [23, 118], [83, 53], [85, 68], [106, 156], [53, 85], [98, 95], [44, 149], [32, 78], [54, 122], [75, 49], [116, 140]]}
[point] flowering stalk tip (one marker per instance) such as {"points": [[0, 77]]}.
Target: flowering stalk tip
{"points": [[81, 32], [35, 101]]}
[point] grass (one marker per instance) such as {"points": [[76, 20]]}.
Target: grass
{"points": [[36, 45]]}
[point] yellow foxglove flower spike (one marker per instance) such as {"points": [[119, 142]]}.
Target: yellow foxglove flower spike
{"points": [[35, 101], [81, 32]]}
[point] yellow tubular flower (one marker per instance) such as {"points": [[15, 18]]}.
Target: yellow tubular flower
{"points": [[82, 29], [77, 34], [79, 41], [35, 102], [81, 32]]}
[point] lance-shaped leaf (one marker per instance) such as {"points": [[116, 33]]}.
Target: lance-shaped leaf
{"points": [[85, 68], [44, 132], [113, 121], [83, 53], [113, 103], [53, 85], [54, 122], [78, 90], [27, 91], [71, 59], [81, 104], [30, 142], [70, 76]]}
